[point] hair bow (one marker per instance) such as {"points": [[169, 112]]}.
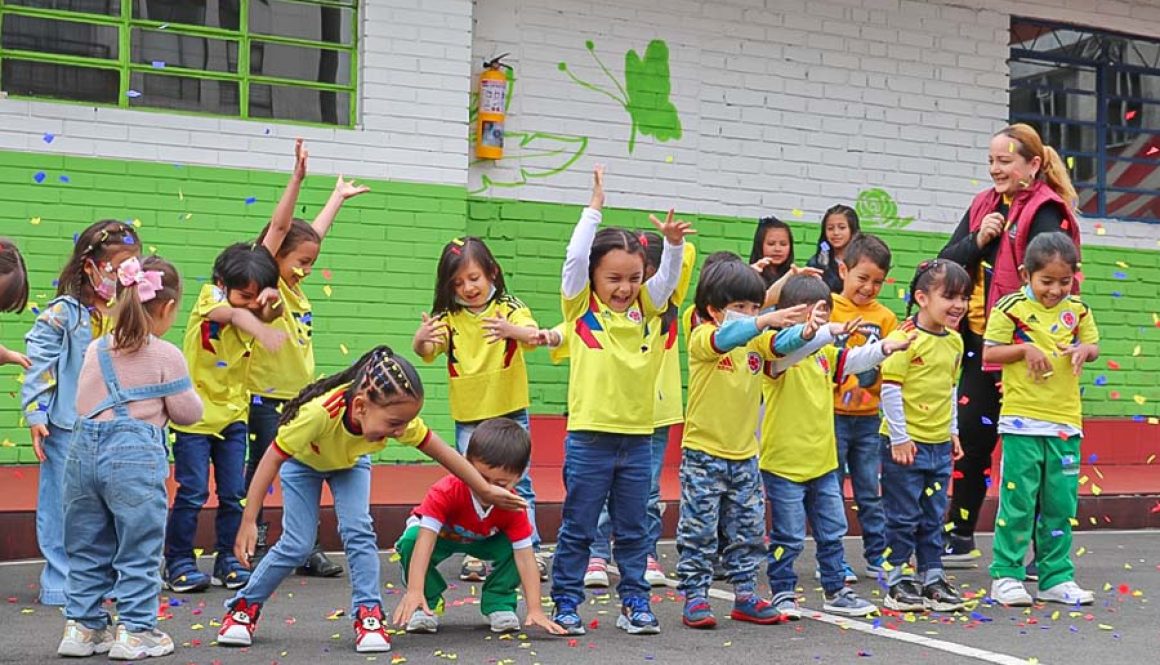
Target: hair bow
{"points": [[148, 282]]}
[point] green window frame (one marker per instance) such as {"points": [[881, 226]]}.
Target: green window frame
{"points": [[238, 43]]}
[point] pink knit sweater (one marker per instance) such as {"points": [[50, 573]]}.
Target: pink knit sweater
{"points": [[156, 362]]}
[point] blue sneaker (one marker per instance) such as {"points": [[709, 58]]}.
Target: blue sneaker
{"points": [[876, 566], [848, 574], [752, 609], [184, 577], [636, 617], [698, 613], [229, 572], [567, 617]]}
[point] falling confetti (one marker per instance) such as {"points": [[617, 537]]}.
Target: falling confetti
{"points": [[35, 221], [49, 137], [158, 64], [133, 94], [251, 200], [39, 177]]}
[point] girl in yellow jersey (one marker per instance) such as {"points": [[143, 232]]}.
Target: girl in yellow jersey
{"points": [[327, 434], [608, 312], [472, 314], [276, 376]]}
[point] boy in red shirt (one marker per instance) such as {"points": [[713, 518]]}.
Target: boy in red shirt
{"points": [[452, 520]]}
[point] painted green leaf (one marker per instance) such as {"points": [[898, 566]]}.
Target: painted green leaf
{"points": [[648, 85], [876, 208], [539, 155]]}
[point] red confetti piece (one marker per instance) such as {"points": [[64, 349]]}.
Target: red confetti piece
{"points": [[964, 400], [594, 624], [326, 273], [1130, 114], [573, 642], [1155, 509], [1113, 364], [1115, 394], [1152, 151], [958, 475], [1125, 589]]}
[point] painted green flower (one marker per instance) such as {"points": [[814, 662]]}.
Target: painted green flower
{"points": [[876, 207]]}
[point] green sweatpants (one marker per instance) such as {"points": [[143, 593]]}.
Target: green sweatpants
{"points": [[499, 589], [1043, 469]]}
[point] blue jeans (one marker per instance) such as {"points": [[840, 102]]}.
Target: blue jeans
{"points": [[192, 454], [524, 488], [263, 425], [914, 519], [790, 505], [603, 467], [50, 516], [301, 494], [719, 495], [858, 453], [602, 545], [115, 521]]}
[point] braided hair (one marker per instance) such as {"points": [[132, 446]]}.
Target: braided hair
{"points": [[380, 374], [947, 276]]}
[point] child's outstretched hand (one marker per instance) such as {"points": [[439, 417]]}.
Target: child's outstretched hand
{"points": [[496, 328], [1038, 365], [674, 231], [246, 541], [956, 448], [536, 617], [411, 601], [9, 357], [301, 154], [1080, 354], [892, 346], [597, 201], [349, 189], [502, 499], [433, 330], [903, 453], [846, 328], [783, 318], [819, 315]]}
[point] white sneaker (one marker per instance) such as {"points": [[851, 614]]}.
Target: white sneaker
{"points": [[1011, 592], [597, 573], [654, 574], [79, 642], [144, 644], [1067, 593], [421, 622], [504, 621]]}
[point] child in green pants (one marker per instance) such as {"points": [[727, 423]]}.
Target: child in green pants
{"points": [[452, 520], [1041, 335]]}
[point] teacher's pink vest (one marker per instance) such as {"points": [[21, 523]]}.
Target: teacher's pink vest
{"points": [[1013, 243]]}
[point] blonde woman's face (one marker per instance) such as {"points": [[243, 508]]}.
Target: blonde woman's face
{"points": [[1010, 172]]}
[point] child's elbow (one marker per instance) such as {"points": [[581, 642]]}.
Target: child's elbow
{"points": [[990, 357]]}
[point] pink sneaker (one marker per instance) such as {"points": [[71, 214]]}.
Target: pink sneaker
{"points": [[597, 574], [653, 573]]}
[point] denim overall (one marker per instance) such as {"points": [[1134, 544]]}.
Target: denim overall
{"points": [[115, 506]]}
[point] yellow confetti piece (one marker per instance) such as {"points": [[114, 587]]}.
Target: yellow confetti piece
{"points": [[28, 610], [1071, 162], [242, 502], [727, 644], [1104, 626], [1136, 351], [197, 552], [1010, 485], [1127, 566], [327, 290], [668, 159], [929, 491], [1092, 520], [7, 443], [777, 553], [197, 626], [1001, 522], [948, 527], [188, 216], [35, 221], [1055, 615], [938, 486], [1139, 399], [1073, 521], [796, 212], [1010, 146], [887, 566], [1107, 586], [901, 293], [1033, 660], [1096, 491], [909, 617], [964, 513], [299, 272], [136, 223], [180, 195], [1100, 230], [1083, 480], [976, 553], [342, 347]]}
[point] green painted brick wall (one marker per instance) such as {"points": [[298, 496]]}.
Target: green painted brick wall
{"points": [[382, 252]]}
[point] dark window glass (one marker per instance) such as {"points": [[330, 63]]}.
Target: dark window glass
{"points": [[291, 103], [46, 79], [321, 23], [300, 62], [29, 33], [184, 94], [162, 48], [109, 7], [223, 14]]}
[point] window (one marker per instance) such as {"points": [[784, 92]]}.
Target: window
{"points": [[290, 60], [1095, 97]]}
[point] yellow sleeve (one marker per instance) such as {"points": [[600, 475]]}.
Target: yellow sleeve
{"points": [[210, 298], [688, 260], [575, 307], [1088, 333], [294, 438], [415, 434], [894, 368], [521, 315], [700, 345], [1000, 327], [763, 345], [687, 317]]}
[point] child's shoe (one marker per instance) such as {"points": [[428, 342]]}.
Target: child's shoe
{"points": [[848, 574], [753, 609], [876, 567], [847, 603], [543, 563], [229, 572], [79, 641], [1067, 593], [653, 573], [319, 565], [905, 596], [597, 573], [567, 617], [637, 618], [370, 634], [940, 596], [473, 570], [421, 622], [698, 613], [504, 621], [239, 624], [184, 577], [787, 606], [261, 547], [1011, 592], [960, 552], [144, 644], [1032, 572]]}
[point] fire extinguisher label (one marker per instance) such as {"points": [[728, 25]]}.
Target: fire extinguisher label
{"points": [[491, 96]]}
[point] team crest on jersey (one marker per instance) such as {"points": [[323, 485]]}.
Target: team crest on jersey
{"points": [[635, 316], [824, 363], [1068, 319], [754, 362]]}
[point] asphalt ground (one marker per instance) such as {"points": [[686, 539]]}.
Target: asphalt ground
{"points": [[301, 624]]}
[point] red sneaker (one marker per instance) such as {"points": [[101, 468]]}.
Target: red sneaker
{"points": [[239, 624], [370, 633]]}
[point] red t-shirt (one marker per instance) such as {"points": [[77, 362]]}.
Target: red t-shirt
{"points": [[450, 510]]}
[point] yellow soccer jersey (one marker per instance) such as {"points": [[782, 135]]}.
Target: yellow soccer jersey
{"points": [[668, 408], [611, 365], [797, 432], [485, 379], [859, 394], [321, 436], [1019, 318], [927, 371], [724, 394], [282, 374], [218, 358]]}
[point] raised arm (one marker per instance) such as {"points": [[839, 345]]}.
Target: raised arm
{"points": [[664, 282], [284, 211], [575, 274], [343, 190]]}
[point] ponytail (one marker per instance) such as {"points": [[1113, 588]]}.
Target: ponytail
{"points": [[379, 372], [142, 288], [1056, 176]]}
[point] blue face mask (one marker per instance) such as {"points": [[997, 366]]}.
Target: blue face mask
{"points": [[490, 295]]}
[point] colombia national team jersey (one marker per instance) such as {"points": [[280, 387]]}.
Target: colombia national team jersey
{"points": [[927, 371], [218, 358], [285, 372]]}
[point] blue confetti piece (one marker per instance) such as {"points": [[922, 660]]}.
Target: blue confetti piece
{"points": [[970, 354], [133, 94], [267, 131], [1101, 380], [1056, 533], [986, 420], [35, 310], [158, 64], [256, 399], [1092, 458], [1138, 419], [176, 602], [49, 137], [129, 240], [1120, 275], [270, 490], [1067, 460], [65, 179], [56, 282], [976, 616], [1073, 629], [39, 177], [1019, 423], [251, 200], [987, 481], [221, 363], [877, 623], [1117, 294]]}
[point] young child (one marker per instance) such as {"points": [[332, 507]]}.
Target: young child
{"points": [[327, 434], [132, 382], [668, 410], [608, 313], [772, 253], [856, 420], [1041, 335], [13, 294], [218, 337], [839, 227], [56, 350], [799, 455], [276, 377], [920, 437], [453, 519], [472, 312], [720, 478]]}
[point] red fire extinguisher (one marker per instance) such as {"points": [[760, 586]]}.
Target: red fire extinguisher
{"points": [[492, 102]]}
